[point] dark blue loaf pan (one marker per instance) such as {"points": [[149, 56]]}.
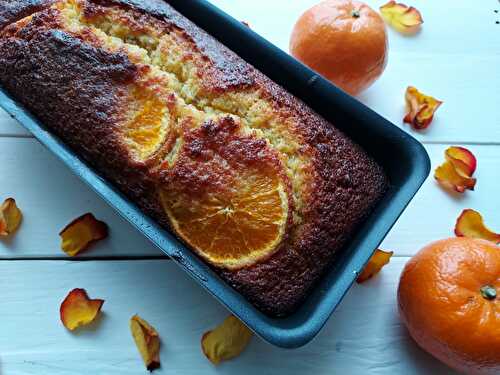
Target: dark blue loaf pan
{"points": [[403, 158]]}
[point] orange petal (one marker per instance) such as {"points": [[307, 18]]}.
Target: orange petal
{"points": [[420, 108], [448, 176], [10, 217], [81, 233], [375, 264], [226, 341], [405, 19], [147, 340], [463, 160], [77, 309], [470, 224]]}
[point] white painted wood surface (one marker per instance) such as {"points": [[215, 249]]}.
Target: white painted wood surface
{"points": [[364, 336], [455, 58]]}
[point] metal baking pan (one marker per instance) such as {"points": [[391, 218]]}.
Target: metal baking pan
{"points": [[403, 158]]}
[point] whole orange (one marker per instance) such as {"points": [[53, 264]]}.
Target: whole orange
{"points": [[449, 298], [343, 40]]}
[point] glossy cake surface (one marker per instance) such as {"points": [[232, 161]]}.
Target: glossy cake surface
{"points": [[257, 184]]}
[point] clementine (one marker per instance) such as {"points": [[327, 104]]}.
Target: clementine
{"points": [[449, 298], [343, 40]]}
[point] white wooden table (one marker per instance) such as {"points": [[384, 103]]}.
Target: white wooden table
{"points": [[456, 58]]}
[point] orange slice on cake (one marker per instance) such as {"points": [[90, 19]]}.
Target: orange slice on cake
{"points": [[234, 228], [147, 124], [232, 214]]}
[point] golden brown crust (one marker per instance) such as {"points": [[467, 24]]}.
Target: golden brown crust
{"points": [[12, 11], [80, 80]]}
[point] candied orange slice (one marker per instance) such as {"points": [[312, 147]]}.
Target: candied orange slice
{"points": [[148, 124], [232, 227]]}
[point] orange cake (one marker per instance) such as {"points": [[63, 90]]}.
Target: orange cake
{"points": [[252, 180]]}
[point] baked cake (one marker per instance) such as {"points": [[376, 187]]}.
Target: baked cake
{"points": [[258, 185]]}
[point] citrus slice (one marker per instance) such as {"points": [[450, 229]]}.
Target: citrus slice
{"points": [[148, 124], [232, 227]]}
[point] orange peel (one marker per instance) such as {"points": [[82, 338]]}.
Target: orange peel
{"points": [[470, 224], [10, 217], [227, 341], [147, 341], [375, 265], [403, 18], [78, 309], [82, 232], [420, 107]]}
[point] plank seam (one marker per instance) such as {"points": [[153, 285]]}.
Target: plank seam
{"points": [[109, 258], [427, 142]]}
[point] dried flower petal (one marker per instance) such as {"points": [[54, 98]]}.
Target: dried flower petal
{"points": [[226, 341], [147, 340], [470, 224], [451, 178], [420, 108], [405, 19], [81, 233], [456, 172], [77, 309], [10, 217], [463, 160], [375, 264]]}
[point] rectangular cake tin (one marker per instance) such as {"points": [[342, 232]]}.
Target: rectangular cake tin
{"points": [[403, 158]]}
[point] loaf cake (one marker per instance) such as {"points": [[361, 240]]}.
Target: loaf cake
{"points": [[259, 186]]}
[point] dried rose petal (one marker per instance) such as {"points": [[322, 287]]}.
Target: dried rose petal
{"points": [[147, 340], [448, 176], [420, 108], [405, 19], [456, 172], [463, 160], [10, 217], [375, 264], [226, 341], [81, 233], [77, 309], [470, 224]]}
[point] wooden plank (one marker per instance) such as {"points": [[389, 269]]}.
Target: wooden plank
{"points": [[462, 85], [51, 196], [364, 336], [434, 61], [10, 127]]}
